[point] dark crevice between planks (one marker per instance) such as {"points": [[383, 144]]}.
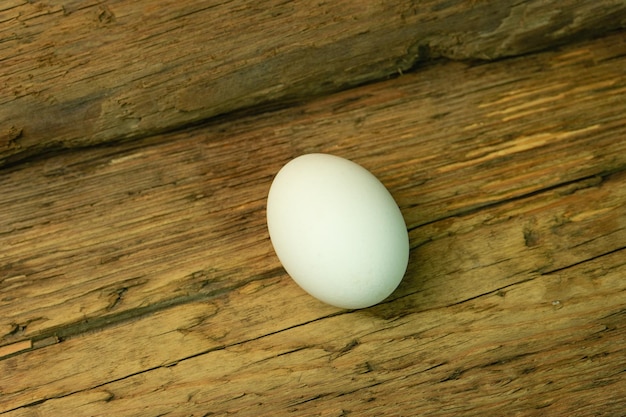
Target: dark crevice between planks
{"points": [[419, 61]]}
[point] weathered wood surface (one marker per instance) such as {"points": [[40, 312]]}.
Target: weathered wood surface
{"points": [[75, 73], [139, 279]]}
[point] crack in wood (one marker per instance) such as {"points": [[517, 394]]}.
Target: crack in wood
{"points": [[569, 187], [593, 258], [99, 323]]}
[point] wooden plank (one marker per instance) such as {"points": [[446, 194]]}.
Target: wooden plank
{"points": [[15, 347], [483, 343], [103, 235], [76, 73]]}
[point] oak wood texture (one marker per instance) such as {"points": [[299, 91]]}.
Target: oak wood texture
{"points": [[138, 279], [75, 73]]}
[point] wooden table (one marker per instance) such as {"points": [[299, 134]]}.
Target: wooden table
{"points": [[138, 278]]}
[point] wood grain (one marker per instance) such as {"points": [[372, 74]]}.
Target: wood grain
{"points": [[142, 276], [527, 340], [489, 355], [76, 73], [135, 225]]}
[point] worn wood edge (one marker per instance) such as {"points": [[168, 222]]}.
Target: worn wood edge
{"points": [[120, 291], [108, 81]]}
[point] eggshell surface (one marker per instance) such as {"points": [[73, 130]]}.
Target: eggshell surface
{"points": [[337, 231]]}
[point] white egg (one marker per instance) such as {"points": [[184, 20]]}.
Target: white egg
{"points": [[337, 231]]}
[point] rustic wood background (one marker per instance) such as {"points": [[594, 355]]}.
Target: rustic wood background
{"points": [[137, 278], [75, 72]]}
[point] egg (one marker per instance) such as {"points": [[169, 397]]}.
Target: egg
{"points": [[337, 231]]}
